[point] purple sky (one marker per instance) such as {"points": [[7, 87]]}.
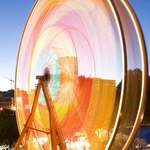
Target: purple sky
{"points": [[13, 15]]}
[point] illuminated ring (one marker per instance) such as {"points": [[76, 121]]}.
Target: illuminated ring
{"points": [[142, 103], [74, 43]]}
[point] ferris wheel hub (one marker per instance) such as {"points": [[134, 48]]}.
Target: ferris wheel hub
{"points": [[46, 77]]}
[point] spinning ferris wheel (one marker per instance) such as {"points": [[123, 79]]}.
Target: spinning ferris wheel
{"points": [[81, 76]]}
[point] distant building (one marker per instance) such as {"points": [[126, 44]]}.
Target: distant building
{"points": [[7, 100]]}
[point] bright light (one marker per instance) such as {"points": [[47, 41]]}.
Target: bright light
{"points": [[13, 108], [41, 140]]}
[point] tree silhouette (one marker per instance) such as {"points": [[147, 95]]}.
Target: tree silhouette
{"points": [[8, 128], [146, 119]]}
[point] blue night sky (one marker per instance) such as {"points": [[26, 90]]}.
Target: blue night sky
{"points": [[13, 15]]}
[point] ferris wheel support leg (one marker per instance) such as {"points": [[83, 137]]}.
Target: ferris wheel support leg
{"points": [[55, 130], [26, 140], [30, 118]]}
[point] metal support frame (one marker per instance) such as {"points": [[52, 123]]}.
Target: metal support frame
{"points": [[55, 131]]}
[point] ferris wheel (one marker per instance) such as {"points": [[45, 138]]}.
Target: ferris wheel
{"points": [[81, 76]]}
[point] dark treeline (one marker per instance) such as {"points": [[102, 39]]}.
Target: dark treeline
{"points": [[146, 119], [133, 92], [8, 128]]}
